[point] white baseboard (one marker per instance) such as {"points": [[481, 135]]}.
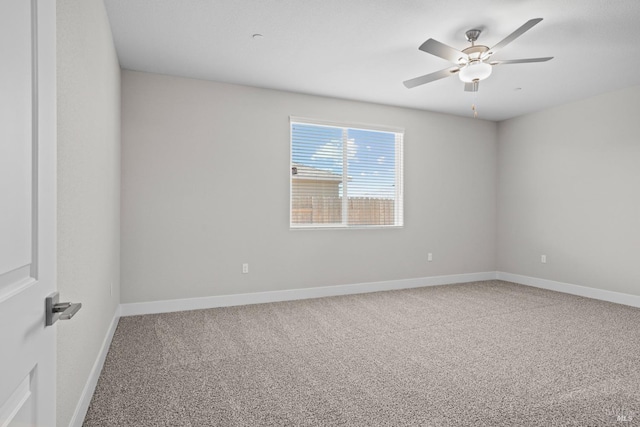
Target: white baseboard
{"points": [[567, 288], [133, 309], [92, 381]]}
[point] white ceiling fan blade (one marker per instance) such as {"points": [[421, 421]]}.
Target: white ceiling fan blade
{"points": [[427, 78], [443, 51], [521, 61], [517, 33]]}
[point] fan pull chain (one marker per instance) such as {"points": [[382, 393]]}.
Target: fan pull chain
{"points": [[473, 106]]}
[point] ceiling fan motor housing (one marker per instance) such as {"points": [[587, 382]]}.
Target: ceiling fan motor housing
{"points": [[475, 53]]}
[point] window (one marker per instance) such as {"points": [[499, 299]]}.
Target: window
{"points": [[345, 176]]}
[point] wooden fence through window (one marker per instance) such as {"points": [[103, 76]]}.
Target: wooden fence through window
{"points": [[328, 210]]}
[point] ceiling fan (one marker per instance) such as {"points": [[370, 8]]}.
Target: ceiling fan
{"points": [[474, 63]]}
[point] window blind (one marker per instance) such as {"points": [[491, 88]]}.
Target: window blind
{"points": [[345, 176]]}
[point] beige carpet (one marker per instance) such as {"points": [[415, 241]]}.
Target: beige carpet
{"points": [[477, 354]]}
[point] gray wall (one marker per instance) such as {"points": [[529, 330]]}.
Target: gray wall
{"points": [[205, 187], [569, 187], [88, 190]]}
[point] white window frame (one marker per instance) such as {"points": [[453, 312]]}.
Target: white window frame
{"points": [[399, 174]]}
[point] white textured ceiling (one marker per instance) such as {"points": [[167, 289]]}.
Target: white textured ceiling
{"points": [[365, 49]]}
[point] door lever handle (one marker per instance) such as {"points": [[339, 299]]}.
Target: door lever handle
{"points": [[59, 310], [66, 309]]}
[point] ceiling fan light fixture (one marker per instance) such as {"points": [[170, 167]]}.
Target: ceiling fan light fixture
{"points": [[475, 71]]}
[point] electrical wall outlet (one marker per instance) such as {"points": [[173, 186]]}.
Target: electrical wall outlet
{"points": [[429, 257], [543, 259], [245, 268]]}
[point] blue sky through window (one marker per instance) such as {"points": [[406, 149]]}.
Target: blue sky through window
{"points": [[371, 157]]}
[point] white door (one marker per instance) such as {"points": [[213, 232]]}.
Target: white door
{"points": [[27, 211]]}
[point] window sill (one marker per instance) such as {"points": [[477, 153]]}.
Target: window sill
{"points": [[343, 227]]}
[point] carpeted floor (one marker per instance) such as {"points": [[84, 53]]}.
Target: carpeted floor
{"points": [[477, 354]]}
